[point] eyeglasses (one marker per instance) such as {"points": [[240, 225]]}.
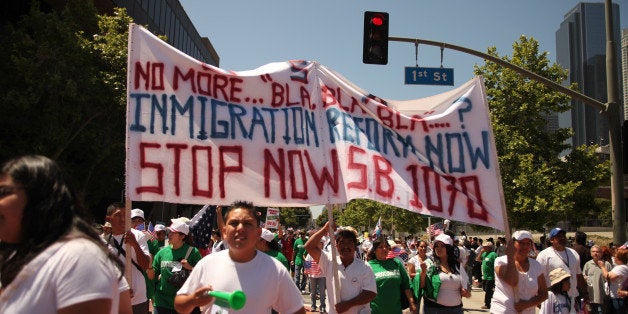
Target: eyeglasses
{"points": [[8, 190], [439, 245]]}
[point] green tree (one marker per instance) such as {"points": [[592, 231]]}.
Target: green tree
{"points": [[363, 214], [539, 187], [295, 217], [64, 94]]}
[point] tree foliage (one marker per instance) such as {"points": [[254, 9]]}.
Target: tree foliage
{"points": [[64, 93], [539, 187], [295, 217], [364, 214]]}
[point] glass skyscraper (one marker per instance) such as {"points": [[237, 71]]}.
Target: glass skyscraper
{"points": [[581, 48]]}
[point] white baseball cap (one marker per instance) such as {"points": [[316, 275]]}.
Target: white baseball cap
{"points": [[136, 212], [179, 226], [522, 234], [160, 227], [445, 239], [267, 235]]}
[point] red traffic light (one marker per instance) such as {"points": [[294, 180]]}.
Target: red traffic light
{"points": [[377, 21], [375, 45]]}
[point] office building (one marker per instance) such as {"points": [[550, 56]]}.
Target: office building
{"points": [[581, 48]]}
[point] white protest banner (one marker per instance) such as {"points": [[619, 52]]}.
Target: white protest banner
{"points": [[297, 134], [272, 218]]}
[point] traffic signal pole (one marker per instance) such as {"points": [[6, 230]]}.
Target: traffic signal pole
{"points": [[614, 126], [610, 110], [531, 75]]}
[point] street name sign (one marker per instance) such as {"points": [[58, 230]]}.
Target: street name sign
{"points": [[429, 76]]}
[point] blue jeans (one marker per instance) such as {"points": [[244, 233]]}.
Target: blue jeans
{"points": [[300, 278], [317, 283], [618, 305]]}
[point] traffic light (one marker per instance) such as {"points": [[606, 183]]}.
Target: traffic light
{"points": [[375, 48]]}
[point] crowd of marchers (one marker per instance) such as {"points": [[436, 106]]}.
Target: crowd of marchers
{"points": [[52, 260]]}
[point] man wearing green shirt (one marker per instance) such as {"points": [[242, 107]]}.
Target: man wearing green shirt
{"points": [[298, 258], [487, 256]]}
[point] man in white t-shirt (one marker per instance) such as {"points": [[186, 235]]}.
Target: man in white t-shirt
{"points": [[264, 280], [559, 255], [120, 243], [357, 281]]}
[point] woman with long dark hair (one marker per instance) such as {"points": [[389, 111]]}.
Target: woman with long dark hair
{"points": [[51, 259], [391, 278], [444, 283]]}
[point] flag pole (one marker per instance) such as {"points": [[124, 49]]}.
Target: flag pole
{"points": [[128, 267], [334, 253], [127, 228]]}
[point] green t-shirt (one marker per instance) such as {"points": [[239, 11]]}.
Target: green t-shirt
{"points": [[299, 251], [280, 257], [155, 245], [390, 276], [164, 261], [488, 265]]}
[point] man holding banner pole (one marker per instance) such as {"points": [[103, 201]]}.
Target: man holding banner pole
{"points": [[356, 279], [123, 240]]}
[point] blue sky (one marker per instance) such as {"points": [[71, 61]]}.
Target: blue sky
{"points": [[248, 34]]}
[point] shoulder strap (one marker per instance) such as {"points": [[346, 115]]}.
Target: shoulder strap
{"points": [[188, 252], [122, 252]]}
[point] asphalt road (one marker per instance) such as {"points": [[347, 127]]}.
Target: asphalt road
{"points": [[471, 305]]}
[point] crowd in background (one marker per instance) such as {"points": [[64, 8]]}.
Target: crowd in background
{"points": [[45, 241]]}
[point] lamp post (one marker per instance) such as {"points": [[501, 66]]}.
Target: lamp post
{"points": [[614, 129]]}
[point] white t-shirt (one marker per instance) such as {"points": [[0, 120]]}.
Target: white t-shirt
{"points": [[64, 274], [504, 297], [464, 256], [555, 304], [265, 281], [353, 279], [416, 260], [568, 259], [622, 271], [138, 283]]}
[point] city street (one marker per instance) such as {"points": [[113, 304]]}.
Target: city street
{"points": [[471, 305]]}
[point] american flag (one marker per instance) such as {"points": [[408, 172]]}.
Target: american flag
{"points": [[201, 226], [435, 229], [149, 234], [398, 252], [378, 227], [311, 267]]}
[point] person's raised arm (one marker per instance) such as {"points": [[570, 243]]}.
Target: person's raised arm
{"points": [[219, 219], [508, 273], [279, 230], [311, 246]]}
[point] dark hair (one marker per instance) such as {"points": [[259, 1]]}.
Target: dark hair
{"points": [[452, 260], [242, 205], [376, 244], [581, 238], [346, 234], [114, 206], [50, 214]]}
